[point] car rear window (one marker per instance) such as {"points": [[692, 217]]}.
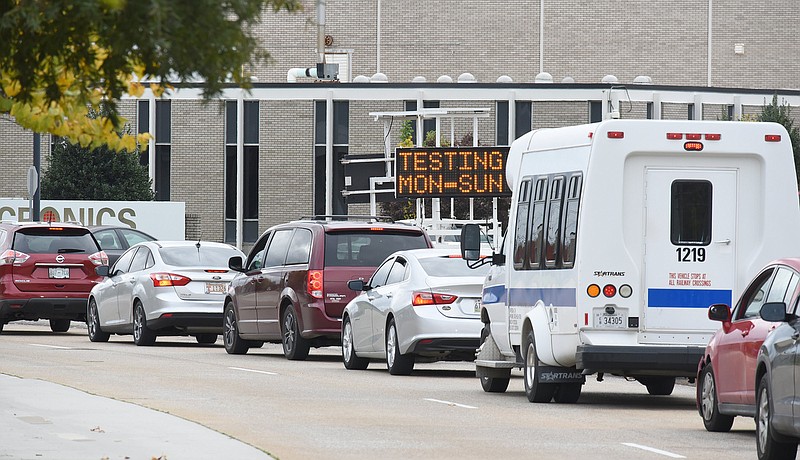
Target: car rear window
{"points": [[451, 266], [367, 248], [54, 240], [192, 256]]}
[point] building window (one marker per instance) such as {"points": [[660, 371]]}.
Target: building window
{"points": [[595, 111], [143, 124], [163, 149], [523, 112], [251, 165], [428, 124], [341, 140]]}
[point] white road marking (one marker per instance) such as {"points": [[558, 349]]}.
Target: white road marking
{"points": [[252, 370], [652, 449], [464, 406], [50, 346]]}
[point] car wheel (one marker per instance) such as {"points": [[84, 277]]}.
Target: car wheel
{"points": [[534, 389], [96, 333], [766, 444], [658, 386], [567, 393], [397, 363], [349, 357], [59, 325], [234, 344], [493, 384], [206, 339], [295, 347], [142, 335], [709, 403]]}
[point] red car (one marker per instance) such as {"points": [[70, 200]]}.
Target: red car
{"points": [[726, 383], [46, 272], [292, 288]]}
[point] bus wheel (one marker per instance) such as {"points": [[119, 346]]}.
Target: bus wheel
{"points": [[534, 389]]}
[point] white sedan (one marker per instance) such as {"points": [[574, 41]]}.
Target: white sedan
{"points": [[419, 305], [162, 288]]}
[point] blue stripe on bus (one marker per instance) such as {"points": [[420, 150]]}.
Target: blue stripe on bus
{"points": [[687, 298], [561, 297]]}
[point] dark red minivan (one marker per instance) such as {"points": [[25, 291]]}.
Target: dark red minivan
{"points": [[46, 272], [293, 286]]}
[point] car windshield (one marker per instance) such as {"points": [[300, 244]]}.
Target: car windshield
{"points": [[54, 240], [192, 256], [367, 248], [451, 266]]}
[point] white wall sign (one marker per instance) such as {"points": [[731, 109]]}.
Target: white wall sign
{"points": [[165, 220]]}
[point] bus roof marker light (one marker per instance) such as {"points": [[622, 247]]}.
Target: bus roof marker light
{"points": [[713, 137], [772, 137], [675, 136], [616, 134], [693, 146], [693, 136]]}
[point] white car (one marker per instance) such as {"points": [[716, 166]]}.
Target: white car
{"points": [[421, 304], [162, 288]]}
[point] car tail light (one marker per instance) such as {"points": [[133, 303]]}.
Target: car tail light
{"points": [[99, 258], [169, 279], [315, 284], [10, 256], [419, 298]]}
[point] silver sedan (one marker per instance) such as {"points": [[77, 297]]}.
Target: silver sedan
{"points": [[162, 288], [419, 305]]}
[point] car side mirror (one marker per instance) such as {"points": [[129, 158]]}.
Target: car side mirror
{"points": [[235, 263], [102, 270], [773, 311], [357, 285], [719, 312], [471, 242]]}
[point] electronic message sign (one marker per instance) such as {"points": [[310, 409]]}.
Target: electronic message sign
{"points": [[450, 172]]}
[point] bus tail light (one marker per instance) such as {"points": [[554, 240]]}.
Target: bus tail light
{"points": [[593, 290], [609, 290]]}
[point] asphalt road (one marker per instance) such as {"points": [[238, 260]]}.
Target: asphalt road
{"points": [[318, 409]]}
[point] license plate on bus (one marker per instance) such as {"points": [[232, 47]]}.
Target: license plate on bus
{"points": [[216, 288], [610, 321], [58, 272]]}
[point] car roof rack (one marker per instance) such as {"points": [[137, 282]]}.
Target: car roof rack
{"points": [[347, 217]]}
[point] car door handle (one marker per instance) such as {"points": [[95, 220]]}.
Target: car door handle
{"points": [[745, 333], [796, 335], [389, 295], [133, 281]]}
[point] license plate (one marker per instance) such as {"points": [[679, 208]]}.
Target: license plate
{"points": [[216, 288], [602, 320], [59, 272], [477, 307]]}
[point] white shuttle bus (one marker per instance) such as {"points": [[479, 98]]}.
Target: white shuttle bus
{"points": [[621, 234]]}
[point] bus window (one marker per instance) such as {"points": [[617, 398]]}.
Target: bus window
{"points": [[571, 221], [537, 224], [690, 216], [553, 222], [521, 230]]}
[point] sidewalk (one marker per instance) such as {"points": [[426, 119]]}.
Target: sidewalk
{"points": [[43, 420]]}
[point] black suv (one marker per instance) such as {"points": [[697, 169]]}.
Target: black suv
{"points": [[293, 286], [46, 272]]}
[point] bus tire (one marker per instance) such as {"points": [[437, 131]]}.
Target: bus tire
{"points": [[534, 389]]}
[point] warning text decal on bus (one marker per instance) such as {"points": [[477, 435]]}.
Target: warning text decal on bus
{"points": [[451, 172]]}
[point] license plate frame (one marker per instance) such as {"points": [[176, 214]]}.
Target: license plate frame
{"points": [[216, 288], [606, 321], [58, 273]]}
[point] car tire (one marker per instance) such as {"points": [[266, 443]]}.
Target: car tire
{"points": [[658, 386], [713, 420], [96, 333], [767, 446], [295, 347], [396, 362], [206, 339], [234, 344], [567, 393], [349, 356], [534, 389], [142, 335], [493, 384], [59, 325]]}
